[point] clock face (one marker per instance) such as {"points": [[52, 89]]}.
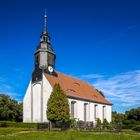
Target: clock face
{"points": [[50, 68]]}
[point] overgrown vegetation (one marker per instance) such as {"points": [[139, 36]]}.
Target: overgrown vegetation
{"points": [[128, 120]]}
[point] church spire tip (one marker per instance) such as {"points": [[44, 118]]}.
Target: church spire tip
{"points": [[45, 22]]}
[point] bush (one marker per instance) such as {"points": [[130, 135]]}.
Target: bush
{"points": [[72, 122], [99, 124], [137, 128], [17, 124], [105, 124], [111, 126], [3, 124]]}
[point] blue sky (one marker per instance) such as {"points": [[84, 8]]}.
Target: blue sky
{"points": [[95, 40]]}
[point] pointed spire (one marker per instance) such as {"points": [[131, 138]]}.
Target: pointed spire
{"points": [[45, 22], [45, 36]]}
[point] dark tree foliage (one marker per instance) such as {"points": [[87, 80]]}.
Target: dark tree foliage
{"points": [[10, 109], [133, 114], [129, 119], [101, 93], [20, 112], [58, 107]]}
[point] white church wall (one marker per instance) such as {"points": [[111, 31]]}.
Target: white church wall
{"points": [[27, 105], [92, 117], [36, 102], [100, 111], [108, 113], [35, 90], [79, 109], [46, 94]]}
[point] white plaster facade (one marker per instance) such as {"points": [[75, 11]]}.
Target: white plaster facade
{"points": [[36, 98], [90, 113], [35, 101]]}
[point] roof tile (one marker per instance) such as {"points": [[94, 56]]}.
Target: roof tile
{"points": [[76, 88]]}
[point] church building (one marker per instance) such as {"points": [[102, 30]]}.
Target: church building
{"points": [[85, 102]]}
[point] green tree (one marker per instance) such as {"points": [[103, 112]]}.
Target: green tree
{"points": [[118, 118], [105, 124], [132, 117], [133, 114], [19, 117], [10, 109], [57, 106]]}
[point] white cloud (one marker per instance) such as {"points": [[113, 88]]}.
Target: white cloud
{"points": [[122, 89], [89, 76]]}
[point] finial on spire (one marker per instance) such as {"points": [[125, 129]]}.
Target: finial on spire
{"points": [[45, 22]]}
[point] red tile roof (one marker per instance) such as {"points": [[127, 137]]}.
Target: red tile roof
{"points": [[76, 88]]}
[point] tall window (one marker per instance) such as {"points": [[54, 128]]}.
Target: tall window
{"points": [[85, 112], [103, 112], [95, 111], [73, 109]]}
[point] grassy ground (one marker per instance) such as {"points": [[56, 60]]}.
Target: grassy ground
{"points": [[33, 134]]}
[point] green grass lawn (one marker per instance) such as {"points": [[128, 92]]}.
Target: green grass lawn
{"points": [[33, 134]]}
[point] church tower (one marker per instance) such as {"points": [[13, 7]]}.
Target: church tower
{"points": [[44, 56], [39, 90]]}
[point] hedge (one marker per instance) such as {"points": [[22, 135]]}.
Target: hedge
{"points": [[17, 124], [137, 128]]}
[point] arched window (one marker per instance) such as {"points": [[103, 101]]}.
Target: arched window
{"points": [[73, 109], [104, 113], [85, 112], [95, 111]]}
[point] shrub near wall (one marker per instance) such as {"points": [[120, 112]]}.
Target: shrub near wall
{"points": [[17, 124]]}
